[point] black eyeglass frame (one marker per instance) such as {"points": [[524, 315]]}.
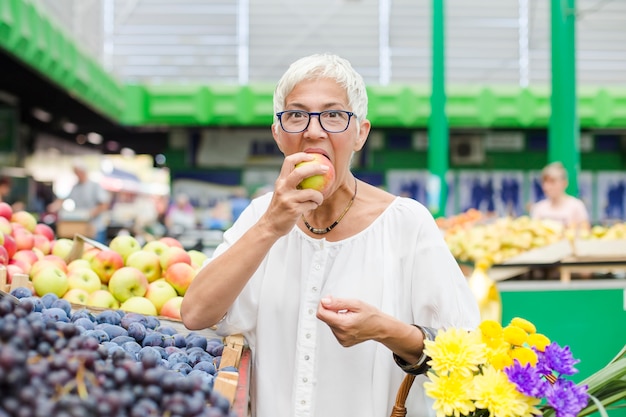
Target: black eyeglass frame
{"points": [[318, 114]]}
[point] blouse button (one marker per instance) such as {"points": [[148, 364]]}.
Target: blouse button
{"points": [[306, 357]]}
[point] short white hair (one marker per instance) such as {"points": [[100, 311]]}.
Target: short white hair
{"points": [[320, 66]]}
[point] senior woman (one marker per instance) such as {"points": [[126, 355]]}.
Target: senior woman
{"points": [[334, 291]]}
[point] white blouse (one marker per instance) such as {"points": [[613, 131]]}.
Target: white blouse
{"points": [[400, 264]]}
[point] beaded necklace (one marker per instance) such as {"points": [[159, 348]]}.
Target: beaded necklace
{"points": [[336, 222]]}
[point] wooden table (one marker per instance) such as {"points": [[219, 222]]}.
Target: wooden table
{"points": [[580, 256]]}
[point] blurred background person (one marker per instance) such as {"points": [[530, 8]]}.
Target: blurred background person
{"points": [[88, 197], [557, 204], [180, 216]]}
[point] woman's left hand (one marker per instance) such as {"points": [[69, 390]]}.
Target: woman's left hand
{"points": [[351, 321]]}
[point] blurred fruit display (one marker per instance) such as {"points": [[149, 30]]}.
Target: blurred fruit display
{"points": [[502, 238], [485, 241], [123, 275]]}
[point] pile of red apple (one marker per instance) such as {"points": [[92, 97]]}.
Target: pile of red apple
{"points": [[150, 279]]}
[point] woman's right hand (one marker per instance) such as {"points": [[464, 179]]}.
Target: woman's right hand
{"points": [[288, 202]]}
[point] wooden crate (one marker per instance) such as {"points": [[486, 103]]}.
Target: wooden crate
{"points": [[68, 229], [18, 280]]}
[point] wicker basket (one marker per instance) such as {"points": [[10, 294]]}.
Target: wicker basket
{"points": [[399, 409]]}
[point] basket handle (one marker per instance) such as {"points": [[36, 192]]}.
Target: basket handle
{"points": [[399, 410]]}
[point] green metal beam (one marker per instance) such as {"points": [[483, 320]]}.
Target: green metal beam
{"points": [[564, 129], [438, 138], [31, 37]]}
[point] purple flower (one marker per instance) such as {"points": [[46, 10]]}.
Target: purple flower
{"points": [[557, 359], [528, 379], [567, 398]]}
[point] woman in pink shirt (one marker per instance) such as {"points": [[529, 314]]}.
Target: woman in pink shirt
{"points": [[557, 205]]}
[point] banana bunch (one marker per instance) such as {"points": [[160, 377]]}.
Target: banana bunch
{"points": [[502, 238]]}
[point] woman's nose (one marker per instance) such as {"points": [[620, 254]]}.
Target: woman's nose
{"points": [[315, 126]]}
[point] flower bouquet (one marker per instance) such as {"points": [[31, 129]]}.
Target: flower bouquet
{"points": [[502, 372]]}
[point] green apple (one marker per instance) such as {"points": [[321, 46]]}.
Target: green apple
{"points": [[197, 258], [84, 278], [62, 247], [128, 282], [179, 276], [50, 280], [147, 262], [102, 299], [139, 305], [171, 308], [105, 263], [60, 262], [157, 247], [76, 296], [78, 263], [159, 292], [41, 264], [124, 245], [320, 182]]}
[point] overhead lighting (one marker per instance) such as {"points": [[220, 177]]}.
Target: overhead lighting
{"points": [[127, 152], [94, 138], [159, 159], [106, 166], [41, 115], [69, 127], [112, 146]]}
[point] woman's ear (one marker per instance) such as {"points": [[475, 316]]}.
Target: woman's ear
{"points": [[364, 131], [276, 136]]}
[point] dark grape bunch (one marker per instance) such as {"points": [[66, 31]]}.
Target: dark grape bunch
{"points": [[59, 363]]}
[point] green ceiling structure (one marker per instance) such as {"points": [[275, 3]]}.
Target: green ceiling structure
{"points": [[34, 39]]}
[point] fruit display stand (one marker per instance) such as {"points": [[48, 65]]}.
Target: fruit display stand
{"points": [[18, 280], [567, 257], [234, 386]]}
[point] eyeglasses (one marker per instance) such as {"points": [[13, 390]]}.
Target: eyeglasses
{"points": [[332, 121]]}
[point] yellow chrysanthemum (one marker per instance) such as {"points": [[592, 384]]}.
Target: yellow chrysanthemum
{"points": [[501, 361], [524, 355], [515, 335], [490, 328], [524, 324], [450, 395], [493, 391], [455, 350], [538, 341], [496, 343]]}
